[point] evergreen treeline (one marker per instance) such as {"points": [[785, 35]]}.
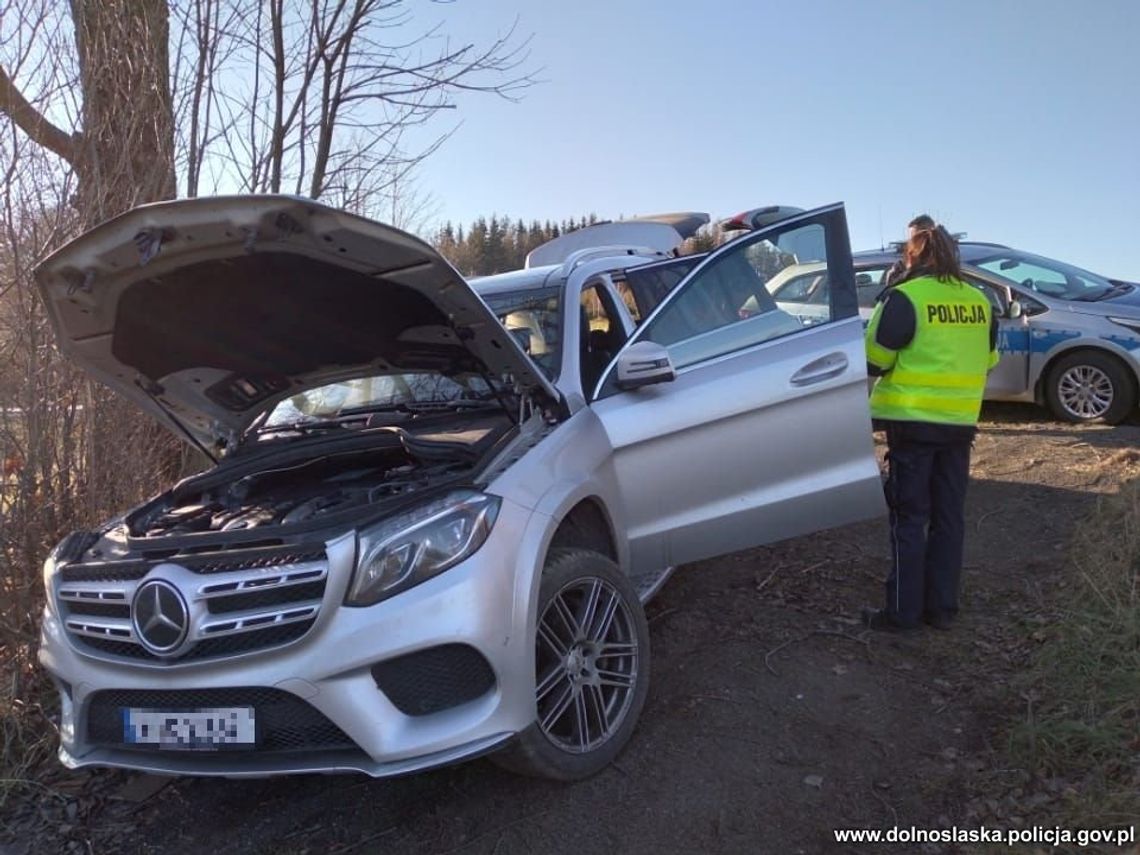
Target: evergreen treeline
{"points": [[497, 245]]}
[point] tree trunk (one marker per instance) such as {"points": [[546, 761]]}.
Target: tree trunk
{"points": [[125, 155]]}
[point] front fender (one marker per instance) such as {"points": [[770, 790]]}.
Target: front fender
{"points": [[1048, 345]]}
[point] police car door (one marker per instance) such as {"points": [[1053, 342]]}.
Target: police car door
{"points": [[1010, 377], [765, 431]]}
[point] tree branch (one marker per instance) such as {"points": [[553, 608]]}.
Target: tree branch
{"points": [[32, 122]]}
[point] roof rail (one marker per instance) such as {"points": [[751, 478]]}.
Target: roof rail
{"points": [[581, 256]]}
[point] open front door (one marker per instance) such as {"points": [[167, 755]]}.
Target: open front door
{"points": [[765, 433]]}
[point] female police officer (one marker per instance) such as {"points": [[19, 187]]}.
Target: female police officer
{"points": [[931, 342]]}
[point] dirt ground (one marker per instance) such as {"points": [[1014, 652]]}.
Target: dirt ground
{"points": [[772, 717]]}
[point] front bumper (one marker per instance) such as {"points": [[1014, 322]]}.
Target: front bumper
{"points": [[326, 680]]}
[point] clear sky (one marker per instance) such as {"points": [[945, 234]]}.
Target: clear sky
{"points": [[1016, 121]]}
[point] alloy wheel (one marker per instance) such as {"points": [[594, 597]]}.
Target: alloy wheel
{"points": [[1085, 392], [587, 662]]}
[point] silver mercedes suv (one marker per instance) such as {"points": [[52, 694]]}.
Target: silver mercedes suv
{"points": [[437, 506]]}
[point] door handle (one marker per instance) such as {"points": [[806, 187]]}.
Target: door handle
{"points": [[821, 369]]}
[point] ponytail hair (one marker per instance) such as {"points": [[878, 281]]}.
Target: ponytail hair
{"points": [[933, 250]]}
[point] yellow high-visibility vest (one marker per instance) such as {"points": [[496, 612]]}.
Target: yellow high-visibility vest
{"points": [[940, 376]]}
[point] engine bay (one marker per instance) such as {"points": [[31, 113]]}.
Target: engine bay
{"points": [[304, 488]]}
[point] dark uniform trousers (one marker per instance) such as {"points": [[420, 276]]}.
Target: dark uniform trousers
{"points": [[929, 466]]}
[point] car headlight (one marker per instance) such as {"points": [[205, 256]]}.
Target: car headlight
{"points": [[68, 549], [412, 547], [1131, 323], [50, 564]]}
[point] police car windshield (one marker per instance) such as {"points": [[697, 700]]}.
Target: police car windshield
{"points": [[1045, 275]]}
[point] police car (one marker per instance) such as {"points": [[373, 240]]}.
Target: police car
{"points": [[1069, 339]]}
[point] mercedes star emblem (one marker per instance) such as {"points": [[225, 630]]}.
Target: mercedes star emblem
{"points": [[160, 616]]}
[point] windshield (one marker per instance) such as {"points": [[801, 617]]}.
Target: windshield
{"points": [[382, 392], [1046, 276], [534, 317]]}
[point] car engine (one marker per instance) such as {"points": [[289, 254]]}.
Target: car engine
{"points": [[302, 490]]}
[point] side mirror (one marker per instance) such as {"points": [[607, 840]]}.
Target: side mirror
{"points": [[1015, 310], [643, 364]]}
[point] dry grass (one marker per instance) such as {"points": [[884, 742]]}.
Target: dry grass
{"points": [[1082, 697], [27, 734]]}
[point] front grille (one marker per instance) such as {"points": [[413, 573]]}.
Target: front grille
{"points": [[434, 679], [201, 562], [209, 648], [282, 721], [105, 571], [221, 562], [264, 600], [122, 610]]}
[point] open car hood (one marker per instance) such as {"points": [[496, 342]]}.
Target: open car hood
{"points": [[209, 311]]}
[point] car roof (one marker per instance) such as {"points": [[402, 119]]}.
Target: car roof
{"points": [[515, 280], [616, 258], [974, 250], [869, 257], [969, 251]]}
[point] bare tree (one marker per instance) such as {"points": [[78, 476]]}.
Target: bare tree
{"points": [[121, 149], [329, 98]]}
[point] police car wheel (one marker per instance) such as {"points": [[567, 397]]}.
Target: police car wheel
{"points": [[1090, 386]]}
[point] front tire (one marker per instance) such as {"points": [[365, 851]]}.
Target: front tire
{"points": [[591, 666], [1090, 386]]}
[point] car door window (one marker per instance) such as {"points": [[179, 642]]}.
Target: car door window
{"points": [[997, 302], [726, 305], [630, 299], [869, 285], [649, 284], [800, 288]]}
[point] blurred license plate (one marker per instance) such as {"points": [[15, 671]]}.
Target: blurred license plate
{"points": [[200, 729]]}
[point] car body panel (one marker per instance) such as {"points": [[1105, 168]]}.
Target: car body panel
{"points": [[782, 466]]}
